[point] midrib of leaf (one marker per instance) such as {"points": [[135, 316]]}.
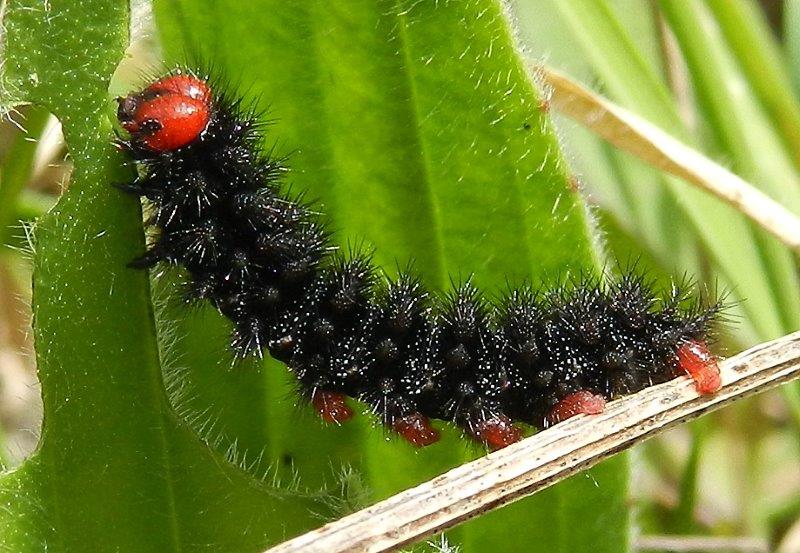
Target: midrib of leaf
{"points": [[159, 405], [345, 199], [441, 278]]}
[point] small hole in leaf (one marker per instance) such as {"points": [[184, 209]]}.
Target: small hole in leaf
{"points": [[35, 169]]}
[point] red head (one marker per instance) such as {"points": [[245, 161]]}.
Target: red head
{"points": [[168, 114]]}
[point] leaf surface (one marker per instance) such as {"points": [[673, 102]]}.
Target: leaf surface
{"points": [[417, 127]]}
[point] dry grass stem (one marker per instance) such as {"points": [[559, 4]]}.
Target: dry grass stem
{"points": [[635, 135], [547, 457]]}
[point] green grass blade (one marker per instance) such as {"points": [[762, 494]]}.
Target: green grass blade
{"points": [[660, 223], [742, 130], [791, 32], [757, 52], [617, 60]]}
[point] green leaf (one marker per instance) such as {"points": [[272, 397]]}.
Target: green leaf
{"points": [[418, 128], [115, 469]]}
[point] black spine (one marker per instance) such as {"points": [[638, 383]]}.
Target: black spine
{"points": [[264, 260]]}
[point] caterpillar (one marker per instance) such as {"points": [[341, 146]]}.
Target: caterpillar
{"points": [[265, 260]]}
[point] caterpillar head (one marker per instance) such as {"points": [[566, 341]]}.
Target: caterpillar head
{"points": [[168, 114]]}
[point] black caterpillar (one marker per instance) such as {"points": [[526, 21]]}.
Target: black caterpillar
{"points": [[266, 262]]}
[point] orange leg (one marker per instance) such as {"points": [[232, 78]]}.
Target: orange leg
{"points": [[582, 402], [497, 432], [416, 429], [701, 365], [331, 406]]}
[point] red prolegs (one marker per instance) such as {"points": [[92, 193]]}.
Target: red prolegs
{"points": [[693, 357]]}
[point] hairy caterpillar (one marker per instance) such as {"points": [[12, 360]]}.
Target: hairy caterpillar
{"points": [[266, 262]]}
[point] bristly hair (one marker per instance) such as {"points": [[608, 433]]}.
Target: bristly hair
{"points": [[263, 257]]}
